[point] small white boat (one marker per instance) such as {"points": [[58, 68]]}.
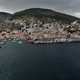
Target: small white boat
{"points": [[20, 42]]}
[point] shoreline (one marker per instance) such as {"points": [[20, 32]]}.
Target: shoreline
{"points": [[55, 42]]}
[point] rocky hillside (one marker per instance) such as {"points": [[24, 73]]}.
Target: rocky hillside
{"points": [[45, 15], [40, 24], [41, 18], [5, 16]]}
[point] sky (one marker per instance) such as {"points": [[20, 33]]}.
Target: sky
{"points": [[71, 7]]}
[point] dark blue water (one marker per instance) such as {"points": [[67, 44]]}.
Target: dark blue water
{"points": [[40, 62]]}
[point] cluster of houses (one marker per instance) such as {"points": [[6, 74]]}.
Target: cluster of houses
{"points": [[39, 31]]}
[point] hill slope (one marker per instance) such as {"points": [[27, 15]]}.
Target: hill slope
{"points": [[4, 16], [46, 13]]}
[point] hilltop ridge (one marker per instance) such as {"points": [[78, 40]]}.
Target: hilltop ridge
{"points": [[46, 13], [39, 13]]}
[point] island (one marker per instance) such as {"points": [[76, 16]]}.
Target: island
{"points": [[38, 25]]}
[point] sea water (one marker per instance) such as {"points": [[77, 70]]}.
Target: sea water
{"points": [[40, 61]]}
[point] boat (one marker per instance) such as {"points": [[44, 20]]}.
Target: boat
{"points": [[29, 40]]}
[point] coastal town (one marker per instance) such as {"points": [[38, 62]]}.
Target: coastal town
{"points": [[39, 32]]}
